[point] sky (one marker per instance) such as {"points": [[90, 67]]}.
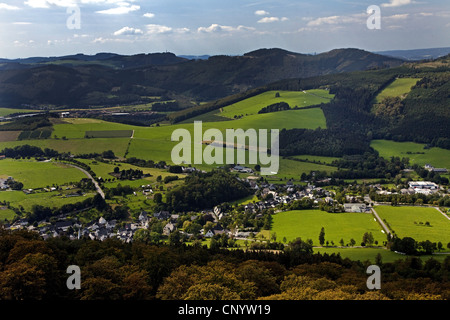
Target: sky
{"points": [[195, 27]]}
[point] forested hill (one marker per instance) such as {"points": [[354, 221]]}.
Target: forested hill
{"points": [[81, 80]]}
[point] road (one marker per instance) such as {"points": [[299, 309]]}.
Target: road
{"points": [[386, 229], [97, 187]]}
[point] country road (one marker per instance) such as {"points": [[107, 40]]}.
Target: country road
{"points": [[99, 190], [386, 229]]}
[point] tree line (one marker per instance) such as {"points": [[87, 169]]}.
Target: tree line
{"points": [[35, 269]]}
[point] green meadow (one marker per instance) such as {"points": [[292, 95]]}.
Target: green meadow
{"points": [[54, 199], [35, 174], [369, 254], [7, 111], [439, 158], [400, 87], [411, 222], [307, 224], [300, 99]]}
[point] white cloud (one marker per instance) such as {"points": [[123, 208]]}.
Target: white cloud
{"points": [[128, 31], [398, 16], [214, 28], [324, 20], [71, 3], [272, 19], [261, 13], [158, 29], [4, 6], [217, 28], [269, 20], [22, 23], [396, 3], [120, 10], [49, 3], [336, 20], [149, 15]]}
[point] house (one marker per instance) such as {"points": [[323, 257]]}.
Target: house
{"points": [[168, 229], [63, 225], [423, 185], [162, 215], [355, 207], [143, 218], [429, 167], [214, 231]]}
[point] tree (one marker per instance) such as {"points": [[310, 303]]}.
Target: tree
{"points": [[368, 238], [322, 236], [157, 198]]}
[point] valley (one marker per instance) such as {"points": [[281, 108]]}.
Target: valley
{"points": [[351, 146]]}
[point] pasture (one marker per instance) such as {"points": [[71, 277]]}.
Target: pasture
{"points": [[400, 87], [307, 224], [411, 222], [254, 104], [54, 199], [109, 134], [35, 174], [439, 158]]}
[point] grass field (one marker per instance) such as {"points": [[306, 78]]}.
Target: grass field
{"points": [[307, 224], [254, 104], [364, 254], [410, 222], [7, 111], [35, 174], [109, 134], [54, 199], [6, 213], [439, 158], [76, 146], [316, 159], [155, 142], [400, 87]]}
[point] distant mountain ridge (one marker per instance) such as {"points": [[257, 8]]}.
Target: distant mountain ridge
{"points": [[417, 54], [110, 79]]}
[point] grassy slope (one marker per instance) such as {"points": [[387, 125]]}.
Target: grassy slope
{"points": [[398, 88], [435, 156], [293, 98], [401, 220], [39, 174], [307, 224]]}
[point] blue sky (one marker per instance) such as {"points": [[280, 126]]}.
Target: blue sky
{"points": [[46, 27]]}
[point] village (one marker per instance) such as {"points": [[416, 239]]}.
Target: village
{"points": [[273, 197]]}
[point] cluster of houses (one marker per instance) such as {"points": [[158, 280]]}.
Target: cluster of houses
{"points": [[103, 229], [430, 168], [3, 184], [414, 187]]}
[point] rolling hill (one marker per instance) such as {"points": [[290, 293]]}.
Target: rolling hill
{"points": [[108, 79]]}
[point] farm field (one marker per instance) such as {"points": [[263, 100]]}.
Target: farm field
{"points": [[307, 224], [155, 142], [6, 213], [103, 170], [254, 104], [410, 222], [437, 157], [76, 146], [7, 111], [35, 174], [54, 199], [400, 87], [317, 159]]}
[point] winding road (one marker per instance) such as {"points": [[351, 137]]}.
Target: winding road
{"points": [[97, 187]]}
